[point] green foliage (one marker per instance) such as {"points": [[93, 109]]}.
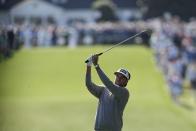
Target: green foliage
{"points": [[182, 8], [43, 89], [107, 10]]}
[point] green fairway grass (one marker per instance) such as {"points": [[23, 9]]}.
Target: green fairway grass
{"points": [[43, 89]]}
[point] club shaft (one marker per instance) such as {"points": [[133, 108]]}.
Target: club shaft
{"points": [[124, 41]]}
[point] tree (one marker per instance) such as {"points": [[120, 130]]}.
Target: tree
{"points": [[183, 8], [106, 9]]}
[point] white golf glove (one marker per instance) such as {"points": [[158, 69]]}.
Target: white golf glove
{"points": [[90, 61]]}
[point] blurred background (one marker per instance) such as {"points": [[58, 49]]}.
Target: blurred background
{"points": [[43, 46]]}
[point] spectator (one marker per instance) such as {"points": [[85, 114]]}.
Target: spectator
{"points": [[10, 37], [54, 36], [191, 75], [175, 84]]}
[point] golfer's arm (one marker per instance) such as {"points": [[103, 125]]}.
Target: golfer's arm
{"points": [[93, 88], [108, 83]]}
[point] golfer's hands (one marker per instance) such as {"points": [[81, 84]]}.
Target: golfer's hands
{"points": [[90, 61], [95, 59]]}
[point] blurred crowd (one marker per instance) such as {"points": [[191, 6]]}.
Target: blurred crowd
{"points": [[77, 33], [12, 37], [111, 33], [174, 45], [9, 42]]}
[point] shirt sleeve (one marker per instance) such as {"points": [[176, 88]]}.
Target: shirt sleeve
{"points": [[93, 88], [117, 91]]}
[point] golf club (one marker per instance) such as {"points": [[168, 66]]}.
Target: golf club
{"points": [[145, 31]]}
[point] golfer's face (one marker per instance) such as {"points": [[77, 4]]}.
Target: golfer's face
{"points": [[121, 80]]}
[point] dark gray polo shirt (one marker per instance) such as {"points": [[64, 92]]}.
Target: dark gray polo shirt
{"points": [[112, 101]]}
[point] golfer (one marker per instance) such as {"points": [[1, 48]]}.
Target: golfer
{"points": [[113, 97]]}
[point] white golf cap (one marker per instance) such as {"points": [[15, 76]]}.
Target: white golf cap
{"points": [[124, 72]]}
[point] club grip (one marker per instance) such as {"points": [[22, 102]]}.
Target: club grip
{"points": [[96, 54]]}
